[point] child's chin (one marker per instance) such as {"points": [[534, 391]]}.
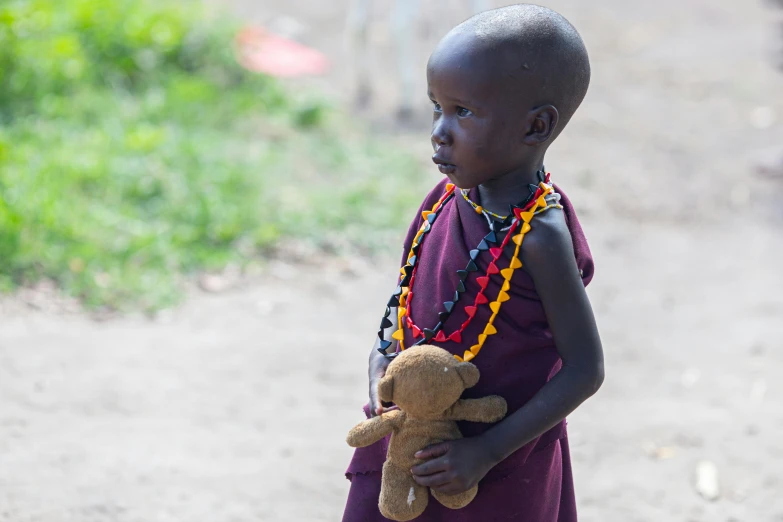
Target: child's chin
{"points": [[461, 184]]}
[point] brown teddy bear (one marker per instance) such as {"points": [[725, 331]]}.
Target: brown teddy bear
{"points": [[426, 383]]}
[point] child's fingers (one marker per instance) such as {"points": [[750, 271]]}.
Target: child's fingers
{"points": [[375, 404], [433, 481], [431, 467], [378, 409], [434, 451]]}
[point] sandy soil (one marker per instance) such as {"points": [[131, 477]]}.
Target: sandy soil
{"points": [[235, 407]]}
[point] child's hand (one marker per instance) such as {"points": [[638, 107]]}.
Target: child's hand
{"points": [[456, 465], [378, 367]]}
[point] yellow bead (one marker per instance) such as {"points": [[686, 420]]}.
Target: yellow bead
{"points": [[481, 339], [425, 213], [405, 291], [402, 271], [518, 238], [516, 263], [401, 311], [458, 358], [492, 317], [527, 216], [478, 209], [507, 273], [494, 306], [475, 349], [449, 186], [503, 297], [399, 335], [506, 286], [541, 202], [490, 330], [525, 228], [468, 356]]}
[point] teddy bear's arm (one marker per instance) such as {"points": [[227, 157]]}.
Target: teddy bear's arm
{"points": [[486, 409], [373, 430]]}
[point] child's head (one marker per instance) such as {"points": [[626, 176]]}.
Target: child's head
{"points": [[504, 84]]}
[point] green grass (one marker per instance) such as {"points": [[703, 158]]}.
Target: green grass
{"points": [[134, 152]]}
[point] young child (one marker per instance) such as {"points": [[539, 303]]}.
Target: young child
{"points": [[494, 270]]}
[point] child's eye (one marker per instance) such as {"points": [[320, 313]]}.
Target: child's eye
{"points": [[463, 112], [436, 107]]}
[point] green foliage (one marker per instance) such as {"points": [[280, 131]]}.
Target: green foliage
{"points": [[134, 150]]}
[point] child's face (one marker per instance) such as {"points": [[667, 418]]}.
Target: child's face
{"points": [[479, 117]]}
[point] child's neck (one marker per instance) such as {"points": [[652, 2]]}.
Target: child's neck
{"points": [[509, 189]]}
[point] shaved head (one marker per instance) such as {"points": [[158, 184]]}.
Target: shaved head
{"points": [[534, 51]]}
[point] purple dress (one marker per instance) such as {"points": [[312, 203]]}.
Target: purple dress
{"points": [[535, 483]]}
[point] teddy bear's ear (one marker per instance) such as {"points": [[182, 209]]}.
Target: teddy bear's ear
{"points": [[469, 373], [386, 389]]}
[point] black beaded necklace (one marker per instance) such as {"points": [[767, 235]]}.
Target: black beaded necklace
{"points": [[402, 296]]}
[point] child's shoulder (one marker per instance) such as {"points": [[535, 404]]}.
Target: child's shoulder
{"points": [[548, 248], [549, 233], [556, 240]]}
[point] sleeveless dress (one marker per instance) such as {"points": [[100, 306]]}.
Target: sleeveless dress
{"points": [[534, 484]]}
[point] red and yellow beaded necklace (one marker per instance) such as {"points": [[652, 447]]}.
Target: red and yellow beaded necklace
{"points": [[516, 225]]}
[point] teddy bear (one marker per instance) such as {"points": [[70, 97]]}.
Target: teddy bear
{"points": [[425, 383]]}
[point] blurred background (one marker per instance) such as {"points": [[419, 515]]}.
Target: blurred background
{"points": [[201, 208]]}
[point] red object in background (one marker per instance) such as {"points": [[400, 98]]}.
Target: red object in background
{"points": [[264, 52]]}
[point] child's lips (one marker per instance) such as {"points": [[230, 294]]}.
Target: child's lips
{"points": [[444, 166]]}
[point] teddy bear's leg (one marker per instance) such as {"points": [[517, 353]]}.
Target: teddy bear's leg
{"points": [[457, 501], [401, 498]]}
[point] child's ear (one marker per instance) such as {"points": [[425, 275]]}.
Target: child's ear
{"points": [[386, 389], [542, 124], [469, 373]]}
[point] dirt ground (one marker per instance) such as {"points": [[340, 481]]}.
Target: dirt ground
{"points": [[235, 406]]}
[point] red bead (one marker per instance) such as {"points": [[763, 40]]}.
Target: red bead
{"points": [[496, 252], [470, 310], [440, 337], [483, 281], [456, 336], [409, 322], [481, 299], [416, 331], [492, 269]]}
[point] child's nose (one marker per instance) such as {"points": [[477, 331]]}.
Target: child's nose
{"points": [[440, 133]]}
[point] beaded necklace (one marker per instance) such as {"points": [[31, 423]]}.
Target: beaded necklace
{"points": [[517, 224], [478, 208]]}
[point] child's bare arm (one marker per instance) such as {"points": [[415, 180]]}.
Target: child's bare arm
{"points": [[485, 409], [548, 256], [373, 430]]}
